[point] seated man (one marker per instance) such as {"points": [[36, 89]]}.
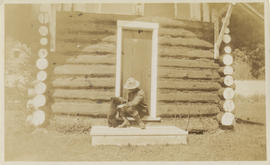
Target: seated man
{"points": [[134, 106]]}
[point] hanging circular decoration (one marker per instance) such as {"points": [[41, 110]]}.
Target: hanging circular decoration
{"points": [[228, 106], [42, 53], [228, 93], [40, 88], [43, 30], [39, 101], [42, 63], [43, 18], [228, 80], [43, 41], [227, 30], [41, 75], [227, 38], [227, 59], [227, 49], [38, 117], [227, 119], [228, 70]]}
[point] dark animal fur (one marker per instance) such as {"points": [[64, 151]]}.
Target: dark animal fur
{"points": [[111, 116]]}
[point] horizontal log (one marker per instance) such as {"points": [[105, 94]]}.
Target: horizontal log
{"points": [[92, 59], [109, 48], [181, 51], [85, 28], [79, 17], [226, 59], [77, 69], [185, 109], [173, 32], [167, 22], [227, 105], [165, 72], [83, 82], [82, 38], [188, 85], [83, 48], [191, 42], [199, 63], [81, 108], [226, 93], [188, 96], [226, 70], [92, 94]]}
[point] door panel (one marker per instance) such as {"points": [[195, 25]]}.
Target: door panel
{"points": [[136, 60]]}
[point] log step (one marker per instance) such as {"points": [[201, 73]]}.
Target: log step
{"points": [[188, 96], [92, 94], [152, 135], [187, 63], [74, 69], [83, 82], [165, 72], [188, 85], [186, 109]]}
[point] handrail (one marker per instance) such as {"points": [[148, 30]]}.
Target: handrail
{"points": [[221, 34]]}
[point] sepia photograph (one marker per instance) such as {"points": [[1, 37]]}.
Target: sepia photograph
{"points": [[135, 81]]}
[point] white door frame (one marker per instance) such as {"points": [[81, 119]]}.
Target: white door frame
{"points": [[145, 26]]}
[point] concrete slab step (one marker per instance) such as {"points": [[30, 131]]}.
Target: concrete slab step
{"points": [[152, 135]]}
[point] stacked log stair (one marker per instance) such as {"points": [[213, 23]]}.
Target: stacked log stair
{"points": [[84, 68]]}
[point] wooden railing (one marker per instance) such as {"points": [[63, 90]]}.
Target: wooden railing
{"points": [[221, 33]]}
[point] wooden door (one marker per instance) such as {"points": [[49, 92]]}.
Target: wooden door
{"points": [[136, 60]]}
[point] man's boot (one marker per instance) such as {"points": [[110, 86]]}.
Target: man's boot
{"points": [[125, 123], [139, 121]]}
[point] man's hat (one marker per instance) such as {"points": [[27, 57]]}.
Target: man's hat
{"points": [[131, 83]]}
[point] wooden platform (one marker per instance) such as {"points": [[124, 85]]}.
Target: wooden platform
{"points": [[104, 135]]}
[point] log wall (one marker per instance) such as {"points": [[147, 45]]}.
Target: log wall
{"points": [[84, 66]]}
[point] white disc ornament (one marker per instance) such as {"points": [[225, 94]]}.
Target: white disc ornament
{"points": [[228, 80], [227, 49], [228, 70], [228, 106], [227, 38], [42, 63], [43, 30], [228, 93], [43, 41], [39, 101], [41, 75], [40, 88], [227, 59], [43, 18], [38, 117], [227, 119], [42, 53]]}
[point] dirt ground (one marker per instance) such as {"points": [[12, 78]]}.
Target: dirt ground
{"points": [[245, 142]]}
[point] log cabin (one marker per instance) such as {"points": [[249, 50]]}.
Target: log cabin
{"points": [[85, 52]]}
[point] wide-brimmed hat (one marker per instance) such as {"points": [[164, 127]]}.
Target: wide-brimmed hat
{"points": [[131, 83]]}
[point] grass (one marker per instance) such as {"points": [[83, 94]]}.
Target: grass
{"points": [[246, 142]]}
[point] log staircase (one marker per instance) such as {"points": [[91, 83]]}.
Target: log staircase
{"points": [[83, 78]]}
